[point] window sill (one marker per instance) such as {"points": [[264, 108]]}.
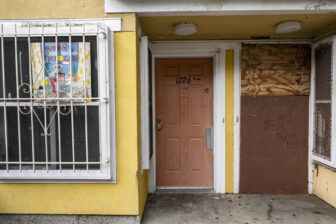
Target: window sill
{"points": [[324, 165], [58, 181]]}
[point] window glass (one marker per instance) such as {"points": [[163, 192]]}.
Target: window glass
{"points": [[41, 131], [322, 115]]}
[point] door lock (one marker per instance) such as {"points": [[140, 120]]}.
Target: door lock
{"points": [[158, 124]]}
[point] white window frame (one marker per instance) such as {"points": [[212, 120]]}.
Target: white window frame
{"points": [[104, 29], [315, 157]]}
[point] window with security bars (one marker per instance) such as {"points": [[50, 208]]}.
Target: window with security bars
{"points": [[323, 116], [56, 104]]}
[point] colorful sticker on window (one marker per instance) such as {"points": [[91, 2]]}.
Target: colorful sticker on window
{"points": [[55, 78]]}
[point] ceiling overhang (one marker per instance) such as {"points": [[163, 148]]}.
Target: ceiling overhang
{"points": [[237, 27], [219, 7]]}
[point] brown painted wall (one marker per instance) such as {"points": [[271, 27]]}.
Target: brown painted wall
{"points": [[274, 144], [275, 69], [274, 119]]}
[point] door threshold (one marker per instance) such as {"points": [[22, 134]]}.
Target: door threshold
{"points": [[184, 190]]}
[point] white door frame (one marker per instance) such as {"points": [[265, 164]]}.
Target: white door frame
{"points": [[215, 50]]}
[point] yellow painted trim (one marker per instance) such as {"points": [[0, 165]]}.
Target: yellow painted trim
{"points": [[229, 110], [121, 198], [56, 9], [143, 192], [324, 184]]}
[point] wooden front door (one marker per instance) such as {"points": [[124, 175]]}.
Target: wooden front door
{"points": [[183, 112]]}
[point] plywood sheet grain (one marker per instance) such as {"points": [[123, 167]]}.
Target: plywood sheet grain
{"points": [[275, 69]]}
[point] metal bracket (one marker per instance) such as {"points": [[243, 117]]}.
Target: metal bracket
{"points": [[209, 138]]}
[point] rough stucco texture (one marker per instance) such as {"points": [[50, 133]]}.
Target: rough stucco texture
{"points": [[43, 9], [275, 69], [121, 198]]}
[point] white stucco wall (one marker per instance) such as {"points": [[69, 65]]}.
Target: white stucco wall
{"points": [[220, 7]]}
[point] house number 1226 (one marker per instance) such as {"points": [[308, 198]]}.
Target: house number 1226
{"points": [[183, 80]]}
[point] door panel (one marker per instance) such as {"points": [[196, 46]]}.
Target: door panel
{"points": [[183, 112]]}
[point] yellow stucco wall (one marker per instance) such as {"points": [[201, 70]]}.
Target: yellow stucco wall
{"points": [[128, 195], [324, 185], [120, 198], [54, 9]]}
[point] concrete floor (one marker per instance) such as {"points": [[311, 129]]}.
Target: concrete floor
{"points": [[168, 208]]}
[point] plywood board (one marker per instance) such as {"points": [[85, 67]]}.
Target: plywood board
{"points": [[275, 69], [274, 144]]}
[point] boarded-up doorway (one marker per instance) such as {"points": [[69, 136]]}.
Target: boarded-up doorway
{"points": [[274, 119]]}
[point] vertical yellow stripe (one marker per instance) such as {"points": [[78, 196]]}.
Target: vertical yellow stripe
{"points": [[229, 103]]}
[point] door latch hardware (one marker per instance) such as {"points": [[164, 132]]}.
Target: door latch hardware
{"points": [[209, 138], [158, 124]]}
